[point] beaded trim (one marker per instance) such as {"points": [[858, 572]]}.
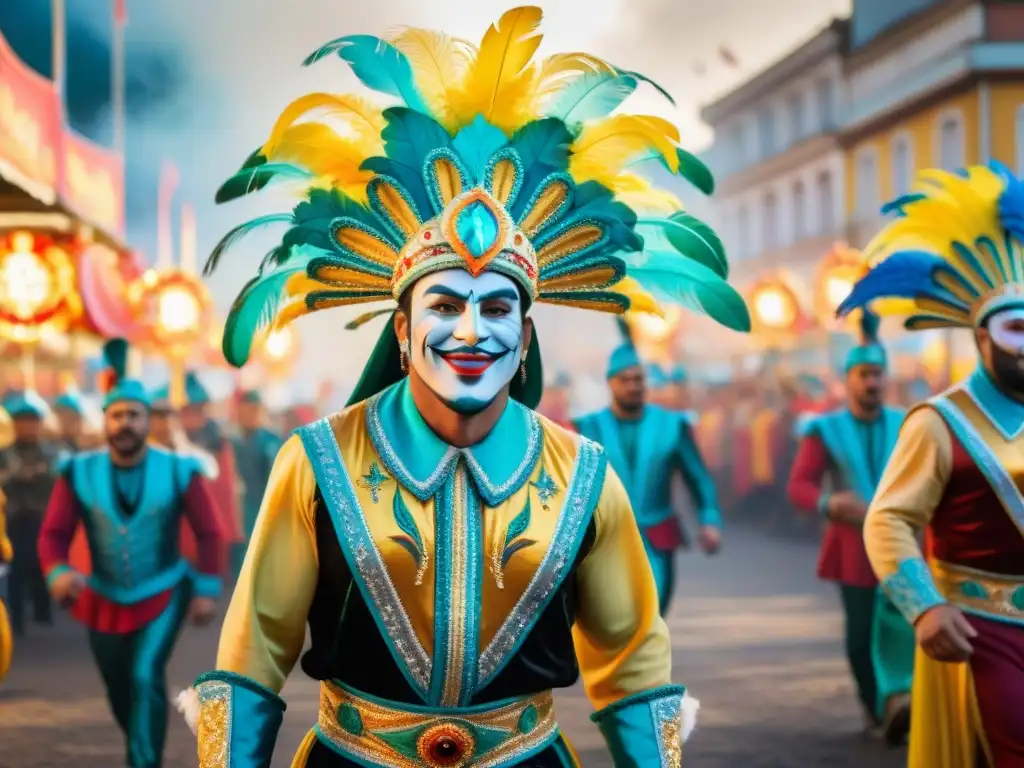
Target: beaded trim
{"points": [[991, 595], [584, 491], [213, 733], [912, 589], [668, 728], [362, 555], [989, 465]]}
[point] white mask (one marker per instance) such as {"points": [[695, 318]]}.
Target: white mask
{"points": [[465, 336], [1007, 330]]}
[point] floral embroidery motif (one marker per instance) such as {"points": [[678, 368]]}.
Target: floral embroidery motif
{"points": [[912, 589], [372, 481], [512, 543], [410, 539], [546, 488]]}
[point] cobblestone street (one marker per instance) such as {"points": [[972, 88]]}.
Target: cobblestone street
{"points": [[757, 640]]}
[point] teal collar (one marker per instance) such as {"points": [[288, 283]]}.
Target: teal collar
{"points": [[500, 464], [1005, 413]]}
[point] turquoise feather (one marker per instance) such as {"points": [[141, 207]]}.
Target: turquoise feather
{"points": [[238, 233], [645, 79], [543, 148], [691, 168], [592, 96], [405, 521], [378, 64], [691, 237], [669, 277], [258, 177], [513, 543], [476, 144], [257, 305]]}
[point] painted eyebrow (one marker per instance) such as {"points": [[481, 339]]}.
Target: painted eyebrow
{"points": [[500, 293], [444, 290]]}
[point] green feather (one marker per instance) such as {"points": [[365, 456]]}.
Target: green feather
{"points": [[691, 237], [674, 279], [591, 96], [249, 180], [519, 524], [645, 79], [691, 168], [406, 522], [238, 233], [115, 355]]}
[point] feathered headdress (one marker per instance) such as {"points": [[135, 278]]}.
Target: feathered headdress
{"points": [[625, 355], [491, 160], [869, 351], [956, 251], [114, 381]]}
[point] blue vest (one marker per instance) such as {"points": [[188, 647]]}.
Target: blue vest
{"points": [[664, 443], [845, 440], [135, 556]]}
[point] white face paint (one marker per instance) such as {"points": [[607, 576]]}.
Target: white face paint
{"points": [[1007, 330], [465, 336]]}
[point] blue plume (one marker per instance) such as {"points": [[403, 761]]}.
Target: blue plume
{"points": [[408, 138], [905, 275], [378, 65], [1011, 206], [238, 233], [592, 96], [476, 143]]}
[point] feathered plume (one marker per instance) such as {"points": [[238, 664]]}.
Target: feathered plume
{"points": [[869, 325], [115, 355], [625, 329]]}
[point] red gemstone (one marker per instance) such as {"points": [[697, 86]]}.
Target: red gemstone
{"points": [[426, 235], [518, 239]]}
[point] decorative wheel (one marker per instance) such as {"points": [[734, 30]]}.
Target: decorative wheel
{"points": [[445, 746]]}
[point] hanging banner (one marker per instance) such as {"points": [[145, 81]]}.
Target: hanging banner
{"points": [[30, 128], [93, 185]]}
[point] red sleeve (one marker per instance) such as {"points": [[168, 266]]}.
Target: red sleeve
{"points": [[63, 514], [202, 518], [809, 468]]}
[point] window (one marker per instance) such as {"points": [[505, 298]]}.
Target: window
{"points": [[951, 143], [770, 222], [867, 183], [902, 165], [766, 132], [1020, 141], [826, 204], [743, 233], [825, 102], [799, 212], [795, 108]]}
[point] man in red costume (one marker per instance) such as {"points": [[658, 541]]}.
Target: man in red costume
{"points": [[131, 498]]}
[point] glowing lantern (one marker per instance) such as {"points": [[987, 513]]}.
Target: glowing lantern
{"points": [[38, 293]]}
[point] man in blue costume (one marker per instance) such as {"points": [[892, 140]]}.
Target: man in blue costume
{"points": [[646, 444], [131, 498], [455, 555], [27, 472], [256, 448], [835, 474]]}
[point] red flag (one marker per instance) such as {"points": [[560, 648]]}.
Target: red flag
{"points": [[121, 12], [728, 56]]}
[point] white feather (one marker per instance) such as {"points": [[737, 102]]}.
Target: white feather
{"points": [[688, 714], [187, 702]]}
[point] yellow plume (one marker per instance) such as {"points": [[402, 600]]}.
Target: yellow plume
{"points": [[639, 299], [500, 84], [363, 119], [318, 149], [603, 149], [440, 64], [642, 196]]}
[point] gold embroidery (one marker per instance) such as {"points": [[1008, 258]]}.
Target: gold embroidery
{"points": [[214, 729], [987, 593], [672, 743], [452, 690]]}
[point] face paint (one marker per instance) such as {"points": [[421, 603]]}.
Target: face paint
{"points": [[466, 336]]}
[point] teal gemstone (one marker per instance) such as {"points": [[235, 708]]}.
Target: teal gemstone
{"points": [[350, 719], [1018, 598], [973, 589], [477, 228], [528, 720]]}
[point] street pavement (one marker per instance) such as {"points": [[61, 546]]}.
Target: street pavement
{"points": [[756, 639]]}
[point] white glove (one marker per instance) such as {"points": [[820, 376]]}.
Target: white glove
{"points": [[688, 713], [187, 702]]}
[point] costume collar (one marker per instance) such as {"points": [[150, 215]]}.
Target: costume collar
{"points": [[500, 464], [1005, 413]]}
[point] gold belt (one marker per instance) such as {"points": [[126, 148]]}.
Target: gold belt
{"points": [[990, 594], [396, 735]]}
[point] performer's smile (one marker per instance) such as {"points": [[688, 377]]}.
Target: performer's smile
{"points": [[467, 362]]}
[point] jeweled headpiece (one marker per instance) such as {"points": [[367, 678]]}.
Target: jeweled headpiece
{"points": [[494, 160], [956, 252]]}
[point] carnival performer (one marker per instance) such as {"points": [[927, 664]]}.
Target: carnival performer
{"points": [[27, 473], [206, 434], [255, 449], [456, 555], [647, 445], [836, 470], [130, 498], [957, 251]]}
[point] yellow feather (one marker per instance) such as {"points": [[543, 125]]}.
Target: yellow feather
{"points": [[639, 299], [362, 118], [603, 149], [318, 149], [440, 64], [290, 312], [642, 196], [500, 82]]}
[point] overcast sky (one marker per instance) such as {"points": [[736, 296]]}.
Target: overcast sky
{"points": [[244, 59]]}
